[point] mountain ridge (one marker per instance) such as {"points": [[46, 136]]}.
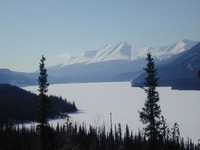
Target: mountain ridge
{"points": [[16, 78], [125, 51]]}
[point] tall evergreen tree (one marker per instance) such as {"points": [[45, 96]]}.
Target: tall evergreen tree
{"points": [[150, 114], [43, 101], [43, 106]]}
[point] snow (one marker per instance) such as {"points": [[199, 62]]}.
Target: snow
{"points": [[125, 51], [97, 100]]}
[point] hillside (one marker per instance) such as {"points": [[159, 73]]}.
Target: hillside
{"points": [[180, 73], [15, 78], [19, 105]]}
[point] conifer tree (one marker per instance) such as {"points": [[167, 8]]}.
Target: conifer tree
{"points": [[175, 133], [150, 114], [43, 106], [165, 131], [120, 132], [44, 101]]}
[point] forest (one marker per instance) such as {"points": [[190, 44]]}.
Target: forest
{"points": [[76, 137], [18, 105]]}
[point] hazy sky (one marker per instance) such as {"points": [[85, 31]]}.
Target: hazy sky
{"points": [[30, 28]]}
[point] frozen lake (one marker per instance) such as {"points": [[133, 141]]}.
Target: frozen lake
{"points": [[97, 100]]}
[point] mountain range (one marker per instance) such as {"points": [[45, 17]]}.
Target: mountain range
{"points": [[125, 51], [113, 62]]}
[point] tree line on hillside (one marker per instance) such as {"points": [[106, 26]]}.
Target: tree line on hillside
{"points": [[18, 105], [157, 134]]}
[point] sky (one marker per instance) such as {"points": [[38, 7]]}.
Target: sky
{"points": [[32, 28]]}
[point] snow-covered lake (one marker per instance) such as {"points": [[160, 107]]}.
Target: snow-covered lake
{"points": [[97, 100]]}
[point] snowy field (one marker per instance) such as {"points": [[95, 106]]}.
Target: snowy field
{"points": [[96, 101]]}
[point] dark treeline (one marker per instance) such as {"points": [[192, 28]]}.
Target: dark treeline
{"points": [[18, 105], [77, 137]]}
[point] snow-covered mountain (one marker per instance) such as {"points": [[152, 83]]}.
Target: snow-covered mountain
{"points": [[125, 51], [113, 62]]}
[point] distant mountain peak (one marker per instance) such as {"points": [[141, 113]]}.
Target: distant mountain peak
{"points": [[123, 43], [187, 41], [189, 44], [125, 51]]}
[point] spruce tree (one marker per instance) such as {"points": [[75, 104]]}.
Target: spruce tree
{"points": [[43, 106], [150, 114], [43, 101], [175, 134]]}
